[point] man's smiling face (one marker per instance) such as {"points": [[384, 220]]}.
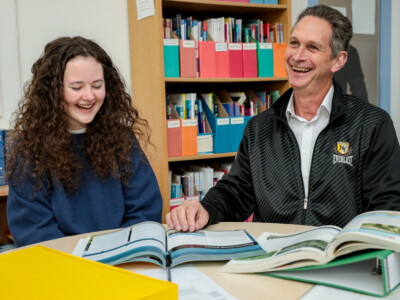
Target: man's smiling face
{"points": [[308, 56]]}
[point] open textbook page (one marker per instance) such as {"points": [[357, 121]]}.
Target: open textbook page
{"points": [[371, 230], [148, 242], [142, 242]]}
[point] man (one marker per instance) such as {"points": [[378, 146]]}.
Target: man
{"points": [[317, 156]]}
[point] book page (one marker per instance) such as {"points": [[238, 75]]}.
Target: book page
{"points": [[126, 244], [192, 283], [285, 251], [210, 245], [315, 239], [376, 229], [206, 238]]}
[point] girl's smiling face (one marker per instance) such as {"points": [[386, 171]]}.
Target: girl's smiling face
{"points": [[84, 91]]}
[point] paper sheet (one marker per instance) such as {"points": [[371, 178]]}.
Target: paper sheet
{"points": [[192, 283], [145, 8], [363, 16]]}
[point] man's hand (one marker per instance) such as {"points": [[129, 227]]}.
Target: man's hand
{"points": [[189, 216]]}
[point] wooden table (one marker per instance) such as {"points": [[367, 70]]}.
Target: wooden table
{"points": [[242, 286]]}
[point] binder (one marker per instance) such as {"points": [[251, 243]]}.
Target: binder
{"points": [[244, 1], [43, 273], [219, 126], [181, 136], [207, 67], [270, 1], [265, 59], [236, 123], [187, 59], [279, 59], [189, 137], [174, 138], [221, 60], [257, 1], [250, 60], [235, 51], [374, 273], [205, 140], [171, 57]]}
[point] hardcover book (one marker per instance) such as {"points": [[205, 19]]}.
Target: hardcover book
{"points": [[342, 253]]}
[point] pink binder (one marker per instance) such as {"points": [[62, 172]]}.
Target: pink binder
{"points": [[235, 51], [250, 60]]}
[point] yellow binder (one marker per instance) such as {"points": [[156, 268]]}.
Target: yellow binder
{"points": [[42, 273]]}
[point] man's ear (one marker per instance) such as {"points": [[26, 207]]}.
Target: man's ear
{"points": [[339, 61]]}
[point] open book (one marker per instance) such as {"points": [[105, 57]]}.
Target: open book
{"points": [[318, 246], [149, 242]]}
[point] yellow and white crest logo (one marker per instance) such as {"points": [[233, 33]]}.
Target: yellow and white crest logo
{"points": [[342, 153], [343, 147]]}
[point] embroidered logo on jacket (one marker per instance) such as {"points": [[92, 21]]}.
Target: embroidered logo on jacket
{"points": [[342, 153]]}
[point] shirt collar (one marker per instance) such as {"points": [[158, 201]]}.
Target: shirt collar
{"points": [[326, 103]]}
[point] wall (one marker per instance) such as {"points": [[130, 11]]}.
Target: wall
{"points": [[27, 25], [395, 67]]}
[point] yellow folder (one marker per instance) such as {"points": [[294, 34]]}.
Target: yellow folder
{"points": [[42, 273]]}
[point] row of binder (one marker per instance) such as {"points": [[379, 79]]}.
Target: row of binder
{"points": [[208, 59], [253, 1], [223, 133]]}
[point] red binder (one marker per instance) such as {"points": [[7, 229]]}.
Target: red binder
{"points": [[221, 60], [187, 59], [235, 51], [174, 137], [250, 60], [207, 68]]}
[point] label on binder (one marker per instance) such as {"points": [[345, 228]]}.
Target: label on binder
{"points": [[265, 45], [249, 46], [239, 120], [235, 46], [174, 123], [189, 122], [171, 42], [222, 121], [188, 44], [219, 47]]}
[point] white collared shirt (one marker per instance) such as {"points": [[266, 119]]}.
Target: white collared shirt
{"points": [[306, 132]]}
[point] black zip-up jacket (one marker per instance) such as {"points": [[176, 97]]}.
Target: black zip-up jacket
{"points": [[355, 168]]}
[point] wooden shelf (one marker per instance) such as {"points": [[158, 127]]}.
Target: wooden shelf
{"points": [[223, 80], [3, 190], [219, 7], [202, 156], [149, 86]]}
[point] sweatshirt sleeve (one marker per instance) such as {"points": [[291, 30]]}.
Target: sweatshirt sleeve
{"points": [[381, 170], [30, 215], [232, 198], [142, 195]]}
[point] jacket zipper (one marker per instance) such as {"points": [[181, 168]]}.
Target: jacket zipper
{"points": [[304, 211]]}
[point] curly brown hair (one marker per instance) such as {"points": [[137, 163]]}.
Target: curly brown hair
{"points": [[40, 145]]}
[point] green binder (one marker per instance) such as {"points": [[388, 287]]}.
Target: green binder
{"points": [[375, 273], [265, 61], [171, 57]]}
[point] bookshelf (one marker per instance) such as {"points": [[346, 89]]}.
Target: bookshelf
{"points": [[149, 85]]}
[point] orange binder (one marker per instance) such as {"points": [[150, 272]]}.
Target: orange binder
{"points": [[250, 60], [187, 59], [221, 60], [189, 137], [235, 51], [278, 52], [207, 67]]}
